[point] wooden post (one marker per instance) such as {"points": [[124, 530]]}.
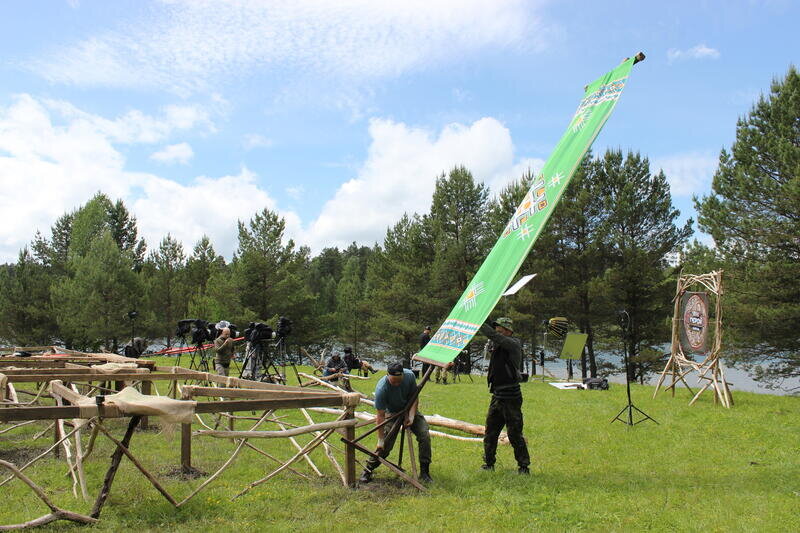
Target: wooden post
{"points": [[56, 439], [186, 440], [411, 455], [349, 451]]}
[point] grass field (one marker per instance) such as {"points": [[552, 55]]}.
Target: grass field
{"points": [[702, 468]]}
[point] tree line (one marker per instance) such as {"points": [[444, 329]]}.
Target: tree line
{"points": [[602, 251]]}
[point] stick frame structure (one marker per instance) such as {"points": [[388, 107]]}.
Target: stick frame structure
{"points": [[710, 373], [209, 393]]}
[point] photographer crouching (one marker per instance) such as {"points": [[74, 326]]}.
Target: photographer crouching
{"points": [[354, 363], [223, 347]]}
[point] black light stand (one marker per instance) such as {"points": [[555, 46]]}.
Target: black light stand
{"points": [[181, 346], [544, 345], [624, 320], [284, 357]]}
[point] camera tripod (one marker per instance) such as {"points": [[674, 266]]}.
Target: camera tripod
{"points": [[261, 361], [624, 323], [201, 364]]}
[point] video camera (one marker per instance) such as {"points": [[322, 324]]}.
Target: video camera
{"points": [[284, 327], [258, 331], [198, 328]]}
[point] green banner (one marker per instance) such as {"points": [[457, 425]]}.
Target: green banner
{"points": [[520, 234]]}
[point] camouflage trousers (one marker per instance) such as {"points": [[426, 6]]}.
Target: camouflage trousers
{"points": [[508, 413]]}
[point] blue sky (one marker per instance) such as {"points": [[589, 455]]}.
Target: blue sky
{"points": [[340, 115]]}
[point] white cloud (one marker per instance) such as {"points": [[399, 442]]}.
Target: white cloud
{"points": [[688, 173], [48, 168], [134, 126], [209, 206], [700, 51], [179, 153], [296, 193], [185, 45], [400, 173], [255, 140]]}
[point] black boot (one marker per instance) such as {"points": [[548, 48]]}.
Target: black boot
{"points": [[424, 473], [366, 476]]}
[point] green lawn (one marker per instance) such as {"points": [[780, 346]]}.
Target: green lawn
{"points": [[701, 468]]}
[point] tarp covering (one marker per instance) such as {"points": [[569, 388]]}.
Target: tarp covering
{"points": [[507, 255], [132, 402]]}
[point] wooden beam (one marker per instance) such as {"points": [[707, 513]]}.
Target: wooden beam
{"points": [[224, 392], [110, 411], [127, 376], [74, 371], [302, 430]]}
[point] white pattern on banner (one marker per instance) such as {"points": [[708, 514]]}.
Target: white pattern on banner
{"points": [[581, 120], [534, 201], [471, 298], [604, 93], [454, 334]]}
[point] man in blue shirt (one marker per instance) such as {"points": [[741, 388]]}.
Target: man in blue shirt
{"points": [[392, 394]]}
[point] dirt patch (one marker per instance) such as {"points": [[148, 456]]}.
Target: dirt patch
{"points": [[387, 487], [179, 473], [20, 456]]}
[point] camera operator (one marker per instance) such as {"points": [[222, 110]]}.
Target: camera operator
{"points": [[424, 339], [223, 346], [136, 348], [354, 363], [335, 365]]}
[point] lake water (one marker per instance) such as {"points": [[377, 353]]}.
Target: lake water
{"points": [[738, 379]]}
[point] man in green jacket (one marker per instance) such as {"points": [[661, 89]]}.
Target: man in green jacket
{"points": [[223, 345]]}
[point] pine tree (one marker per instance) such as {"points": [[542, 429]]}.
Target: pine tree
{"points": [[166, 289], [460, 233], [350, 310], [753, 214], [100, 215], [577, 239], [637, 231], [53, 253], [399, 288], [26, 316], [203, 263], [91, 307], [270, 276]]}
